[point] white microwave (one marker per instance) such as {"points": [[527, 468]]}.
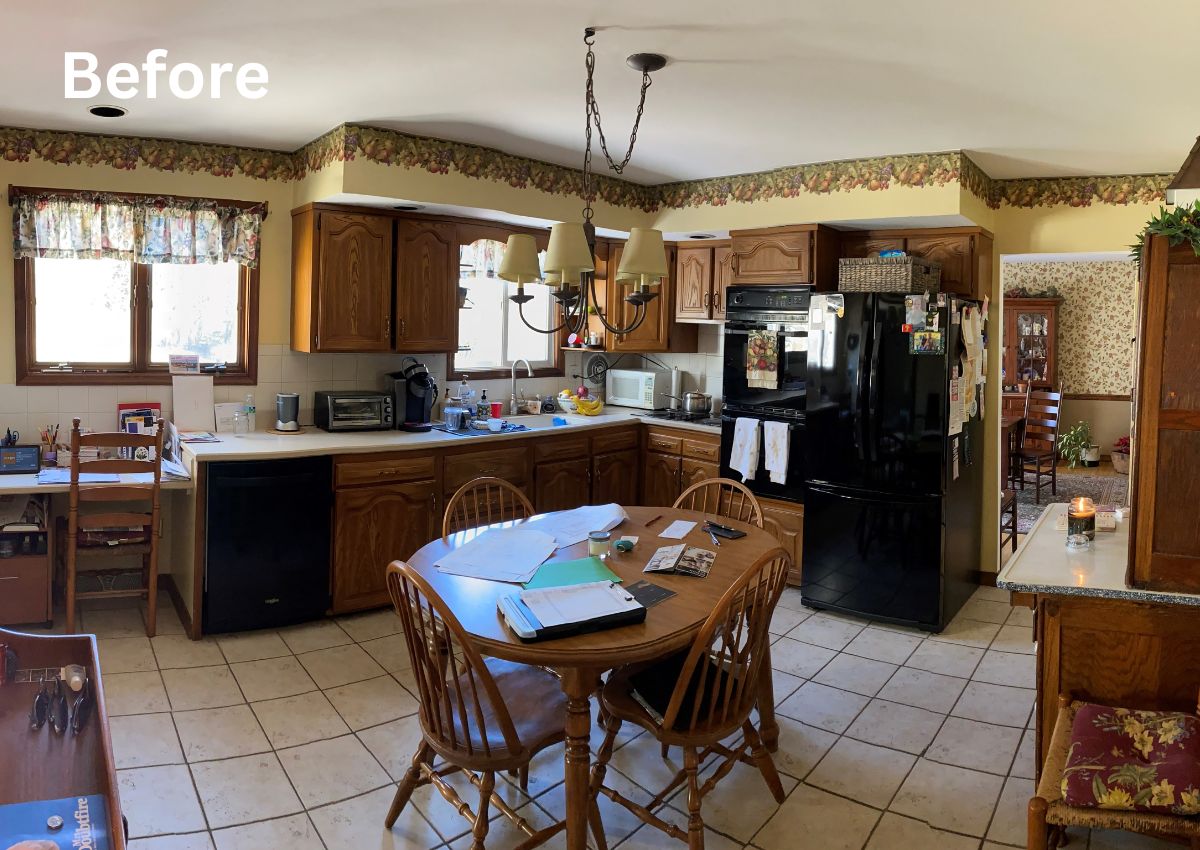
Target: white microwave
{"points": [[644, 388]]}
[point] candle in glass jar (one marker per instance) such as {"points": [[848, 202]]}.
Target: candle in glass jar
{"points": [[599, 543], [1081, 521]]}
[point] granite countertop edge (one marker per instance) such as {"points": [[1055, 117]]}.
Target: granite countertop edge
{"points": [[1131, 594]]}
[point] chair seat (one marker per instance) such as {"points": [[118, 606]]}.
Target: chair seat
{"points": [[1059, 813], [1007, 497], [535, 702], [654, 681], [106, 538], [1030, 453]]}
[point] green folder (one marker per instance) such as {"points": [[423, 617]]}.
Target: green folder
{"points": [[564, 573]]}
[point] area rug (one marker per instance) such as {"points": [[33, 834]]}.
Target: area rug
{"points": [[1101, 489]]}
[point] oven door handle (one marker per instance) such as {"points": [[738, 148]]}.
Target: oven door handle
{"points": [[792, 426], [741, 332]]}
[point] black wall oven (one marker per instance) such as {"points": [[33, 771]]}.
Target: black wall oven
{"points": [[764, 376]]}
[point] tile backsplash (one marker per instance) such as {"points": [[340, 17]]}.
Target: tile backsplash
{"points": [[28, 409]]}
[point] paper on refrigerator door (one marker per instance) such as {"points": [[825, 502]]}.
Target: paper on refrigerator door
{"points": [[956, 408]]}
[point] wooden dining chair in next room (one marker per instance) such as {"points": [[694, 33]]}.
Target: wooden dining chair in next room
{"points": [[477, 715], [722, 497], [697, 699], [1039, 448], [483, 501], [118, 532]]}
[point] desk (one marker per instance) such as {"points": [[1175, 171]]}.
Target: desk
{"points": [[580, 660], [29, 484]]}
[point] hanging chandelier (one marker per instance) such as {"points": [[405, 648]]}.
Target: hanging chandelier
{"points": [[570, 264]]}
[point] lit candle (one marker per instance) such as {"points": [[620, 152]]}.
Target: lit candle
{"points": [[1081, 521]]}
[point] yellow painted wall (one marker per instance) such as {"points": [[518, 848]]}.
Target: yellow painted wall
{"points": [[275, 263]]}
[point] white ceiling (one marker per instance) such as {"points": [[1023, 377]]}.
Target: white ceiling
{"points": [[1029, 87]]}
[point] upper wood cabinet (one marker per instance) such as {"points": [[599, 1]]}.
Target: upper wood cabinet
{"points": [[965, 253], [801, 253], [694, 275], [658, 331], [341, 281], [426, 286], [722, 276]]}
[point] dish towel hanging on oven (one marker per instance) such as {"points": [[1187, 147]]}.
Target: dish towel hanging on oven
{"points": [[743, 456], [775, 448], [762, 360]]}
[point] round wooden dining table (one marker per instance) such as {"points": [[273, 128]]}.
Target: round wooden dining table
{"points": [[580, 660]]}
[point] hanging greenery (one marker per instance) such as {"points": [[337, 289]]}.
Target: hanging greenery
{"points": [[1182, 224]]}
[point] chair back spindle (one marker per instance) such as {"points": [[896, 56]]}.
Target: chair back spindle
{"points": [[722, 497], [484, 501]]}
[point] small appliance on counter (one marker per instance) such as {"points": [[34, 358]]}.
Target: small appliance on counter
{"points": [[414, 392], [648, 389], [363, 410], [287, 411]]}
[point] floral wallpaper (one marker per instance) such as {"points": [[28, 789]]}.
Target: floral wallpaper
{"points": [[392, 147], [1095, 320]]}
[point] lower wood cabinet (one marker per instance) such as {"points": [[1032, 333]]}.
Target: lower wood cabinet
{"points": [[674, 460], [786, 521], [692, 471], [560, 485], [615, 477], [660, 478], [373, 526]]}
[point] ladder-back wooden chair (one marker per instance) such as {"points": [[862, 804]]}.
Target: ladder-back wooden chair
{"points": [[1038, 454], [483, 501], [699, 698], [1008, 519], [722, 497], [1016, 406], [477, 715], [114, 533]]}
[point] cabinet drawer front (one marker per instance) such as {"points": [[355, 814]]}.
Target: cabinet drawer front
{"points": [[509, 464], [702, 450], [772, 257], [561, 449], [611, 441], [658, 441], [23, 589], [407, 467]]}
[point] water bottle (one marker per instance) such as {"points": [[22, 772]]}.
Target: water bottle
{"points": [[250, 412]]}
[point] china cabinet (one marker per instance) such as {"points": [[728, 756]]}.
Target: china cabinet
{"points": [[1031, 341]]}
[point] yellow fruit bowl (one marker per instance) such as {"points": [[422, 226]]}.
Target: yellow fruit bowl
{"points": [[567, 405]]}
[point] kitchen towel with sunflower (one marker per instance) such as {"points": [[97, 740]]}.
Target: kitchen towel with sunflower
{"points": [[762, 360]]}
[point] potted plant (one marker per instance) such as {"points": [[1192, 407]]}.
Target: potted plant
{"points": [[1075, 446], [1120, 455]]}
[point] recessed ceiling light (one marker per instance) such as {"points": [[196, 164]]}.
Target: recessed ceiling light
{"points": [[107, 111], [408, 207], [702, 236]]}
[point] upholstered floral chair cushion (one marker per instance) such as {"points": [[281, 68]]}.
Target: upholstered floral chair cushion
{"points": [[1144, 761]]}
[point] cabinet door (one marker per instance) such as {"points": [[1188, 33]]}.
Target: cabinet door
{"points": [[354, 282], [1033, 343], [652, 333], [954, 253], [722, 277], [614, 478], [660, 479], [773, 258], [373, 526], [692, 471], [426, 286], [694, 277], [861, 246], [785, 520], [560, 485]]}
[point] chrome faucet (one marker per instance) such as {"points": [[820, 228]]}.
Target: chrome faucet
{"points": [[512, 399]]}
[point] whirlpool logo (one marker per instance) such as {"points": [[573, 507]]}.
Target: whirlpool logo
{"points": [[184, 80]]}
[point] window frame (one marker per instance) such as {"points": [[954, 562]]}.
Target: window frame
{"points": [[468, 233], [141, 371]]}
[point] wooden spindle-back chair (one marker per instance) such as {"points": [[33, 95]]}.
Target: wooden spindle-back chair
{"points": [[478, 715], [715, 686], [483, 501], [722, 497], [1039, 444], [116, 532]]}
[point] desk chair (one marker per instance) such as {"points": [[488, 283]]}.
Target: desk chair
{"points": [[117, 532], [697, 699], [483, 501]]}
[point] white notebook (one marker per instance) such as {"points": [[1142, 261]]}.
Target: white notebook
{"points": [[577, 603]]}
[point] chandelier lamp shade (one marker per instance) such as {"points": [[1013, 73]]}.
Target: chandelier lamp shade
{"points": [[569, 267]]}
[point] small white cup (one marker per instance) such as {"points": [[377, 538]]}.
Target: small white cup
{"points": [[496, 425]]}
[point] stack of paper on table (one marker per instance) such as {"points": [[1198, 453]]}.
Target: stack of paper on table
{"points": [[557, 606], [501, 554], [571, 527]]}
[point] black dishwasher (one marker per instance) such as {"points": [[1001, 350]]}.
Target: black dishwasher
{"points": [[267, 527]]}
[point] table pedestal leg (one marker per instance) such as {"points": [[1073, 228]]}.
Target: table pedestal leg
{"points": [[768, 728], [578, 685]]}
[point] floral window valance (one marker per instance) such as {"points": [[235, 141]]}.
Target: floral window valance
{"points": [[134, 228]]}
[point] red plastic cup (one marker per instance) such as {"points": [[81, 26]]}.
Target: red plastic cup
{"points": [[497, 409]]}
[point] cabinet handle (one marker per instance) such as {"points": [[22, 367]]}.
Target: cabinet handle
{"points": [[707, 299], [403, 329], [716, 301], [388, 329], [433, 503]]}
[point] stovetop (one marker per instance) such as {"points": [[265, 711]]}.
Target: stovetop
{"points": [[681, 416]]}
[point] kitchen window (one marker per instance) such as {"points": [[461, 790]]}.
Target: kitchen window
{"points": [[491, 334], [87, 313]]}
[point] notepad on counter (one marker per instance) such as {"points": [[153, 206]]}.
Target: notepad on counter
{"points": [[566, 573], [500, 554], [681, 559]]}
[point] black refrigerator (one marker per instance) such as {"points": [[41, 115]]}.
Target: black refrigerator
{"points": [[892, 500]]}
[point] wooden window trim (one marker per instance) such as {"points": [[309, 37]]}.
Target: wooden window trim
{"points": [[140, 371]]}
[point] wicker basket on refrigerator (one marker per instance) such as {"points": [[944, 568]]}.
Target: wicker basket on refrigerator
{"points": [[889, 274]]}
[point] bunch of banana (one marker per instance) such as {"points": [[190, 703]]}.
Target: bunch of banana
{"points": [[589, 406]]}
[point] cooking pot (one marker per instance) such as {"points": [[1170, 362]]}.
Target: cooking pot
{"points": [[695, 402]]}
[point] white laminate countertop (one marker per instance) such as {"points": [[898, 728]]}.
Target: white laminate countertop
{"points": [[263, 445], [1044, 564], [29, 484]]}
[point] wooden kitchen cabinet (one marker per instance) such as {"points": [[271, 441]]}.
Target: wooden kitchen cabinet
{"points": [[722, 277], [786, 521], [560, 485], [965, 253], [659, 331], [426, 286], [341, 281], [373, 526], [802, 253], [615, 477], [660, 478], [511, 463], [674, 459], [693, 471], [694, 276], [1030, 352]]}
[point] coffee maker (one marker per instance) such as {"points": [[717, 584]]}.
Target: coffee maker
{"points": [[414, 392]]}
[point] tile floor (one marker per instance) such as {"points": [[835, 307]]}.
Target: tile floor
{"points": [[890, 740]]}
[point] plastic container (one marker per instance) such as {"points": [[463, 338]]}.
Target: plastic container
{"points": [[251, 413]]}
